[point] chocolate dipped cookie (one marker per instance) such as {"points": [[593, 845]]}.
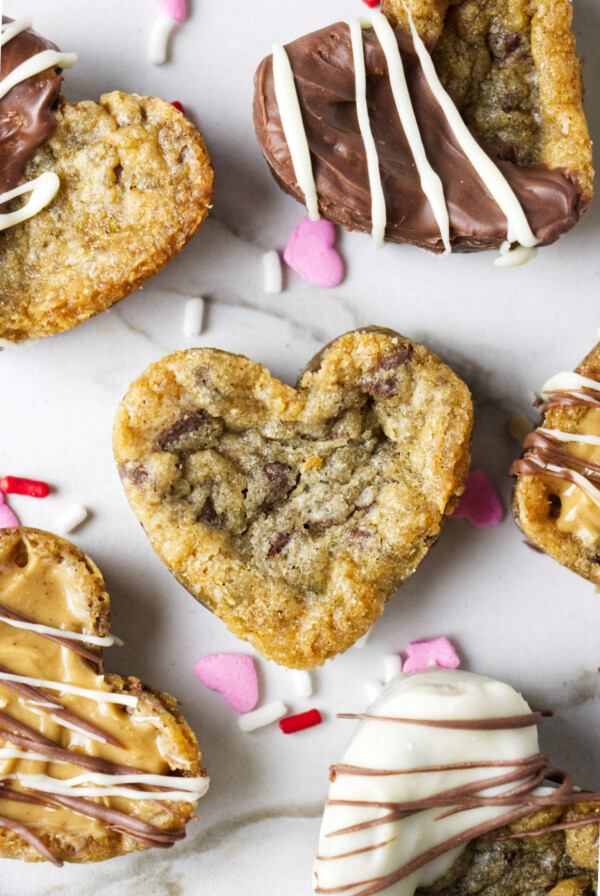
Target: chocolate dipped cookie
{"points": [[452, 126], [295, 513], [556, 499], [92, 765], [443, 790], [95, 197]]}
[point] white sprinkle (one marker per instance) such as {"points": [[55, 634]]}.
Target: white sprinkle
{"points": [[392, 666], [302, 683], [373, 689], [264, 715], [362, 641], [159, 39], [272, 272], [193, 317], [71, 519]]}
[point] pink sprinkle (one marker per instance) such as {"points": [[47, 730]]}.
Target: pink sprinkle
{"points": [[310, 253], [18, 486], [301, 721], [233, 675], [174, 8], [178, 106], [423, 655], [479, 502], [372, 3], [7, 517]]}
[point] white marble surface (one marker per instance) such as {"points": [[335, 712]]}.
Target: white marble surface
{"points": [[512, 613]]}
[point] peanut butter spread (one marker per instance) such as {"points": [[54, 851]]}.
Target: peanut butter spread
{"points": [[579, 514], [56, 702]]}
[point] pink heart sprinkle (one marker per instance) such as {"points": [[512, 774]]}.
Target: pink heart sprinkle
{"points": [[311, 254], [174, 8], [7, 517], [479, 502], [233, 675], [424, 654]]}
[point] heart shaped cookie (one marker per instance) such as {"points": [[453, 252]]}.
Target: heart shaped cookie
{"points": [[425, 127], [294, 514], [118, 186], [92, 765], [439, 793]]}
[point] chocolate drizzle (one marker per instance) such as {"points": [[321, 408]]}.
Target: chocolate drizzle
{"points": [[323, 67], [26, 119], [24, 737], [514, 784]]}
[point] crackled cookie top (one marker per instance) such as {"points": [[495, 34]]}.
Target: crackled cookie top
{"points": [[295, 513], [86, 758]]}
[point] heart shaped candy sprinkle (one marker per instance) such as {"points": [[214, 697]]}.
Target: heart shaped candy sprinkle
{"points": [[7, 517], [175, 8], [233, 675], [479, 502], [310, 253], [422, 655]]}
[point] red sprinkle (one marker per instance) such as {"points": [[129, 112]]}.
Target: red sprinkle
{"points": [[371, 3], [180, 108], [17, 486], [301, 721]]}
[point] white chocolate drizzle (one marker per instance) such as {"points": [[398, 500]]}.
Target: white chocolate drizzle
{"points": [[189, 789], [44, 188], [98, 696], [378, 209], [107, 641], [293, 128], [431, 183]]}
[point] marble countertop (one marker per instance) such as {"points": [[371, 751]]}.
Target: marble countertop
{"points": [[512, 613]]}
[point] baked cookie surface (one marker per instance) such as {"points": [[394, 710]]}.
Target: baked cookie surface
{"points": [[294, 514], [74, 739], [556, 498], [95, 197], [387, 157]]}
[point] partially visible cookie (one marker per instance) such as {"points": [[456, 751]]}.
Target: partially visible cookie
{"points": [[135, 185], [556, 499], [294, 514], [443, 790], [92, 765]]}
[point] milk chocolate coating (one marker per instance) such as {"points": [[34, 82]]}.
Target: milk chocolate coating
{"points": [[26, 119], [323, 66]]}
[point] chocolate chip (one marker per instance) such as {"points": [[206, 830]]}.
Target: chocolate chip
{"points": [[192, 431], [208, 514], [382, 381], [358, 535], [278, 475], [118, 171], [138, 475], [280, 542], [512, 42], [555, 506], [326, 524]]}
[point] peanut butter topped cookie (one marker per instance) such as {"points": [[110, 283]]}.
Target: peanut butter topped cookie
{"points": [[294, 514], [92, 765], [96, 197], [556, 499], [449, 125]]}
